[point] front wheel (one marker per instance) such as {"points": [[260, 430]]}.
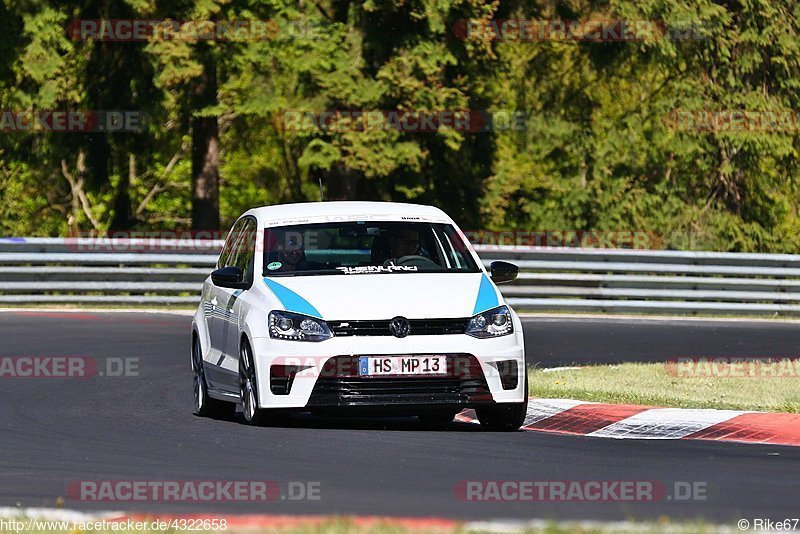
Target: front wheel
{"points": [[248, 388], [504, 417], [204, 405]]}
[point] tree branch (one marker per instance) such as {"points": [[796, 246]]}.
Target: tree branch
{"points": [[76, 188], [158, 188]]}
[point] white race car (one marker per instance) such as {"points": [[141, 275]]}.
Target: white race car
{"points": [[357, 307]]}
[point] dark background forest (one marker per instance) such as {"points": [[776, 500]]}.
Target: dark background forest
{"points": [[598, 151]]}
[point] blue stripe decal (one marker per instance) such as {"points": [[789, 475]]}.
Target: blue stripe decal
{"points": [[487, 297], [291, 300]]}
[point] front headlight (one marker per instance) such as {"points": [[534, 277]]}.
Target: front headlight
{"points": [[492, 323], [296, 327]]}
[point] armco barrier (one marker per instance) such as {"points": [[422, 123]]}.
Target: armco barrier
{"points": [[130, 271]]}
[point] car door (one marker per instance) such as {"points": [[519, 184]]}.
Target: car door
{"points": [[244, 259], [215, 310]]}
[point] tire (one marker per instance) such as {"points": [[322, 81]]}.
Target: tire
{"points": [[248, 387], [504, 417], [437, 420], [204, 405]]}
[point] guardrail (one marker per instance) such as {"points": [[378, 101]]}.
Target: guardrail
{"points": [[131, 271]]}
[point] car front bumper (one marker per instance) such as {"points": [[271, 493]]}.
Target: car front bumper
{"points": [[324, 375]]}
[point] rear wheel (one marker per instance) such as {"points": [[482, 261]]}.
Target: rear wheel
{"points": [[504, 417], [437, 419], [204, 405], [248, 388]]}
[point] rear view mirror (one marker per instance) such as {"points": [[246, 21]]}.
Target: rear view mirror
{"points": [[503, 272]]}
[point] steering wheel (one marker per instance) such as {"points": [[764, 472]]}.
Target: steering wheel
{"points": [[415, 259]]}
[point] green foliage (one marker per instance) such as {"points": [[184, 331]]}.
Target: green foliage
{"points": [[600, 150]]}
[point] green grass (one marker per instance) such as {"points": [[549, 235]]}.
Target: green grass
{"points": [[656, 384]]}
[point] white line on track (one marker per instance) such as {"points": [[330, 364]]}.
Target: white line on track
{"points": [[665, 423], [541, 409], [557, 369]]}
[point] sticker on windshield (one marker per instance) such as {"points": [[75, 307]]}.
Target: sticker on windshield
{"points": [[275, 265], [371, 269]]}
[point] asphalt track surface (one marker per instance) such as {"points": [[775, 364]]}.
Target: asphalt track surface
{"points": [[54, 431], [553, 341]]}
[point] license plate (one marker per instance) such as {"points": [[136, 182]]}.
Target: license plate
{"points": [[402, 365]]}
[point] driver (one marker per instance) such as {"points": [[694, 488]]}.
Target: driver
{"points": [[291, 252], [403, 242]]}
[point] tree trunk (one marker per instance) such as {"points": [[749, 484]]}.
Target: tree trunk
{"points": [[123, 216], [205, 152], [341, 183], [205, 174]]}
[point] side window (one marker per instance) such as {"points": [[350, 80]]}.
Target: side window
{"points": [[228, 248], [244, 248]]}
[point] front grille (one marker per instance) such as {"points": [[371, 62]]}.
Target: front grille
{"points": [[464, 385], [419, 327]]}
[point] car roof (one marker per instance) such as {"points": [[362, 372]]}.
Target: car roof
{"points": [[316, 211]]}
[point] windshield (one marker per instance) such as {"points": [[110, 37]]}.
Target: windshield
{"points": [[365, 248]]}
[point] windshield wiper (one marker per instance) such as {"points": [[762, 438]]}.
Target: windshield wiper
{"points": [[313, 272]]}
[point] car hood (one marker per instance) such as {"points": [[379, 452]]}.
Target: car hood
{"points": [[384, 296]]}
